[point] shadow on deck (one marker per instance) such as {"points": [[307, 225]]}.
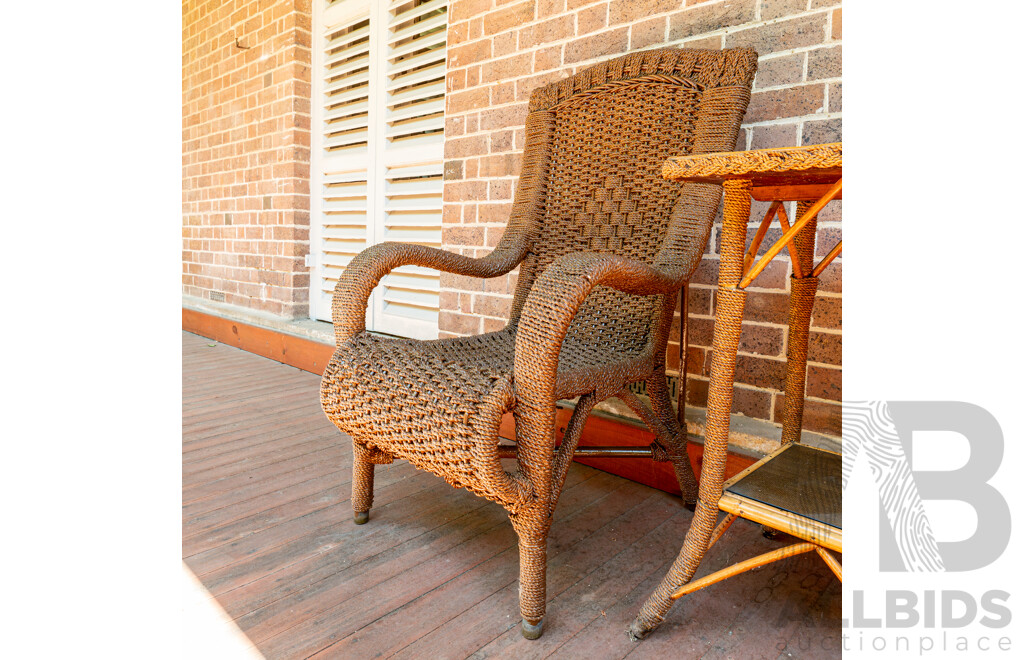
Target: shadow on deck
{"points": [[268, 530]]}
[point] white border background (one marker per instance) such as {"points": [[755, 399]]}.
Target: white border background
{"points": [[91, 270], [932, 235]]}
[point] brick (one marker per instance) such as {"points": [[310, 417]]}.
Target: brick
{"points": [[504, 117], [510, 17], [457, 32], [598, 45], [474, 145], [824, 383], [774, 136], [503, 93], [778, 71], [822, 132], [772, 9], [450, 281], [760, 372], [647, 33], [492, 306], [554, 29], [451, 213], [714, 43], [501, 141], [751, 402], [550, 7], [631, 11], [526, 86], [783, 35], [774, 276], [499, 189], [464, 9], [454, 126], [819, 416], [494, 325], [504, 44], [711, 17], [460, 191], [493, 212], [831, 279], [766, 307], [453, 170], [547, 58], [837, 24], [825, 347], [833, 212], [459, 324], [472, 99], [827, 313], [785, 103], [835, 97], [509, 67], [825, 63], [591, 19], [473, 52]]}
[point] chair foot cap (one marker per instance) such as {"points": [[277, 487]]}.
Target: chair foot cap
{"points": [[638, 632], [361, 517], [532, 631]]}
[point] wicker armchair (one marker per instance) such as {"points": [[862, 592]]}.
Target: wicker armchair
{"points": [[603, 244]]}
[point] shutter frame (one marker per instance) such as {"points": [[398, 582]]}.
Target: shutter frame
{"points": [[379, 180]]}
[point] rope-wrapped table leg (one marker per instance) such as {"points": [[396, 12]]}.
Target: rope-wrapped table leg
{"points": [[801, 303], [728, 318]]}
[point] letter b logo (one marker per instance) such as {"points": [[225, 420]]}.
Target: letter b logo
{"points": [[883, 432]]}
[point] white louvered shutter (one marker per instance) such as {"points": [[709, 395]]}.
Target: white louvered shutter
{"points": [[378, 131]]}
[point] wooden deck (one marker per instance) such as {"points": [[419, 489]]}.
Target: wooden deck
{"points": [[268, 530]]}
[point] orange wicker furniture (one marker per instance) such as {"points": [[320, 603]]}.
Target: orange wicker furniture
{"points": [[811, 176], [603, 244]]}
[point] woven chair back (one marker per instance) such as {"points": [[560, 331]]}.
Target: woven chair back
{"points": [[605, 192]]}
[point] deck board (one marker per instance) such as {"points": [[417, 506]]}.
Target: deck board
{"points": [[267, 529]]}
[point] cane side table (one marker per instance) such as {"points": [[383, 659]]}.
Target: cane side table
{"points": [[796, 488]]}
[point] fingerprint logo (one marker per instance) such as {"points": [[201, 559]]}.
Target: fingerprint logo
{"points": [[869, 429]]}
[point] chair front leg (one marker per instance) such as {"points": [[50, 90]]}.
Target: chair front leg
{"points": [[363, 462], [532, 528]]}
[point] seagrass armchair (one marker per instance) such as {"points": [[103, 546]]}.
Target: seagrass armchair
{"points": [[603, 244]]}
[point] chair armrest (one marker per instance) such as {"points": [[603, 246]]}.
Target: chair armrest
{"points": [[351, 293], [549, 310]]}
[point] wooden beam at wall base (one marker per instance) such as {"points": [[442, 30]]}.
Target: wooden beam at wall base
{"points": [[305, 354], [605, 432], [312, 356]]}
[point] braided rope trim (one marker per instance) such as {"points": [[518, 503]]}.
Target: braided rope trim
{"points": [[733, 163], [580, 97]]}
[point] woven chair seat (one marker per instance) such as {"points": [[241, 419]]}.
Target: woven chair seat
{"points": [[393, 387]]}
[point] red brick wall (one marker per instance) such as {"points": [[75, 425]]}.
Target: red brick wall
{"points": [[501, 50], [245, 153]]}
